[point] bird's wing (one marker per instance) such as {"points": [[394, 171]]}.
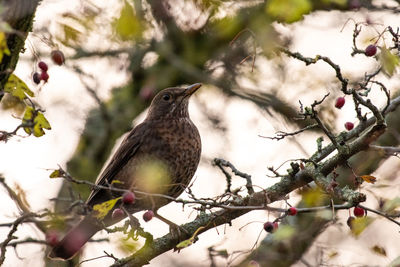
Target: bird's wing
{"points": [[125, 152]]}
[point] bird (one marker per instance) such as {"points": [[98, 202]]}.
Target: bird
{"points": [[157, 158]]}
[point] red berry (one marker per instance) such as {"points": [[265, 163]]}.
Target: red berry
{"points": [[340, 102], [292, 211], [128, 198], [36, 78], [350, 221], [52, 237], [370, 50], [58, 57], [44, 76], [358, 212], [118, 214], [148, 215], [43, 66], [349, 125]]}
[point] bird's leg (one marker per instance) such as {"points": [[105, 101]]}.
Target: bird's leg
{"points": [[174, 229]]}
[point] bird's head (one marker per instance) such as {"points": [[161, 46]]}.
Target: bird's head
{"points": [[171, 103]]}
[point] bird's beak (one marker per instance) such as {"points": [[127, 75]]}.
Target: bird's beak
{"points": [[192, 88]]}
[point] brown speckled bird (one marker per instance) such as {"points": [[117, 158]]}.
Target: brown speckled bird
{"points": [[159, 156]]}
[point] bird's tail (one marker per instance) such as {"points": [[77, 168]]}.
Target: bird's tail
{"points": [[75, 239]]}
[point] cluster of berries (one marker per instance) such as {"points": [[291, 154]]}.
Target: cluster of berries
{"points": [[58, 58]]}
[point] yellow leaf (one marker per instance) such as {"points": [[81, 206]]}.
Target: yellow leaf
{"points": [[379, 250], [288, 10], [117, 182], [128, 26], [358, 225], [368, 178], [35, 121], [314, 197], [57, 173], [3, 46], [17, 87], [389, 61], [104, 208]]}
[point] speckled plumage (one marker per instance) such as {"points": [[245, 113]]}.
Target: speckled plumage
{"points": [[167, 137]]}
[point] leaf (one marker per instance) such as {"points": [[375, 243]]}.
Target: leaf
{"points": [[72, 36], [288, 10], [190, 241], [379, 250], [116, 182], [185, 243], [17, 87], [57, 173], [284, 232], [314, 197], [104, 208], [389, 61], [368, 178], [358, 225], [35, 121], [3, 46], [128, 26], [391, 204], [395, 262]]}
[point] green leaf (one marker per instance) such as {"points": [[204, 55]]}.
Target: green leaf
{"points": [[128, 26], [389, 61], [391, 205], [190, 241], [3, 46], [284, 232], [395, 262], [288, 10], [17, 87], [185, 243], [104, 208], [36, 122]]}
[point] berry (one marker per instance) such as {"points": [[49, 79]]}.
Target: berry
{"points": [[128, 198], [36, 78], [52, 237], [43, 66], [118, 214], [370, 50], [340, 102], [276, 225], [358, 212], [269, 227], [58, 57], [349, 125], [44, 76], [350, 221], [148, 215], [292, 211]]}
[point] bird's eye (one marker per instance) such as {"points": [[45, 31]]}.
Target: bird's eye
{"points": [[166, 97]]}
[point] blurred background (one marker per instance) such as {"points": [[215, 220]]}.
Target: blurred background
{"points": [[119, 54]]}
